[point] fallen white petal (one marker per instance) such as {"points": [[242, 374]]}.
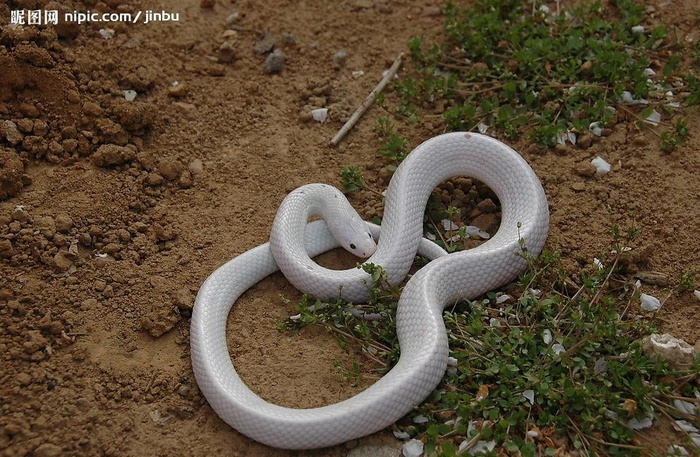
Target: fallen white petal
{"points": [[420, 419], [403, 436], [598, 263], [650, 303], [471, 230], [547, 336], [107, 34], [639, 424], [482, 127], [449, 225], [595, 128], [638, 29], [558, 348], [503, 298], [601, 166], [529, 394], [482, 446], [676, 450], [654, 118], [413, 448], [637, 284], [697, 294], [684, 406], [685, 426]]}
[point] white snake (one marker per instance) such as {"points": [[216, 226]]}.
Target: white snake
{"points": [[421, 331]]}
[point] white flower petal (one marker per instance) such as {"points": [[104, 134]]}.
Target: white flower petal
{"points": [[482, 446], [413, 448], [403, 436], [650, 303], [482, 127], [639, 424], [654, 118], [558, 348], [595, 128], [676, 450], [598, 263], [697, 294], [503, 298], [449, 225], [420, 419], [601, 166], [547, 336], [684, 406], [530, 396]]}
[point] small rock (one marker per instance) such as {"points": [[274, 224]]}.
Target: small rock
{"points": [[12, 133], [154, 179], [19, 214], [196, 166], [578, 186], [288, 39], [170, 169], [178, 90], [487, 206], [63, 223], [23, 379], [264, 44], [274, 63], [63, 261], [48, 450], [111, 154], [227, 51], [232, 18], [585, 169], [25, 125], [29, 109], [340, 57], [46, 225], [677, 352], [11, 174]]}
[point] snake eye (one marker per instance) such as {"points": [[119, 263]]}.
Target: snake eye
{"points": [[352, 246]]}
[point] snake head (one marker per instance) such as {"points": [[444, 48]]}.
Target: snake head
{"points": [[357, 239]]}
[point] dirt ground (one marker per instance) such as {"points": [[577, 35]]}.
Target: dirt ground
{"points": [[113, 212]]}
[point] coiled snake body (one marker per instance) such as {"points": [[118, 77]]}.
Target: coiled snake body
{"points": [[421, 331]]}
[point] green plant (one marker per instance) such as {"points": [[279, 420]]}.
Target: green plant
{"points": [[351, 179], [391, 145], [553, 368], [520, 68]]}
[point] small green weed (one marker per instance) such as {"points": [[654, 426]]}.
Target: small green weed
{"points": [[556, 369], [521, 68]]}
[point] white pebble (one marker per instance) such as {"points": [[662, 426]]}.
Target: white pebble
{"points": [[320, 114], [130, 95]]}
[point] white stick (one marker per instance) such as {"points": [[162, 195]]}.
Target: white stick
{"points": [[368, 101]]}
